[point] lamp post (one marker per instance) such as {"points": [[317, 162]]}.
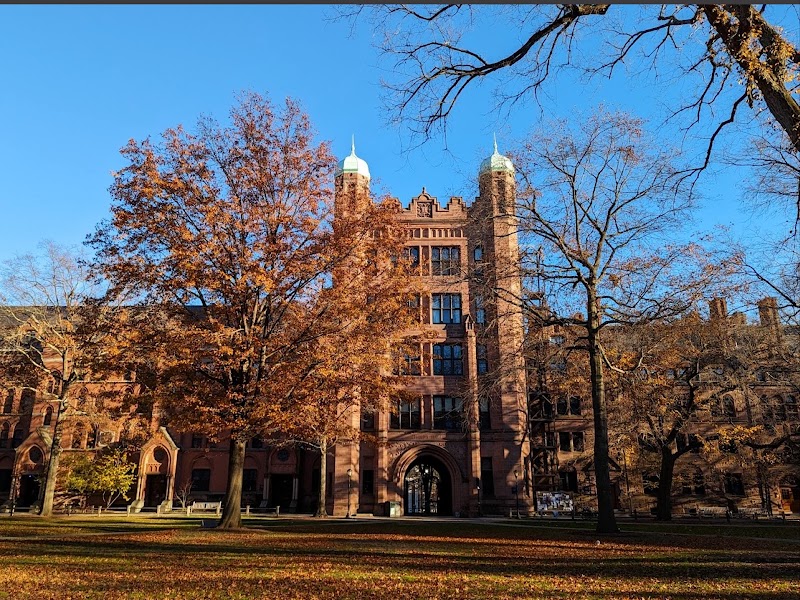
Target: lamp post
{"points": [[516, 489], [478, 486], [349, 488], [627, 481]]}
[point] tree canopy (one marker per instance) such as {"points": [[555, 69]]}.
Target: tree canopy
{"points": [[229, 234]]}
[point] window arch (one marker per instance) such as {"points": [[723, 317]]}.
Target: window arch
{"points": [[26, 401], [477, 253], [8, 405], [4, 429], [728, 407], [48, 416], [19, 435], [77, 435]]}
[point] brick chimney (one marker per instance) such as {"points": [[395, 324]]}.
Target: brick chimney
{"points": [[768, 314], [718, 309]]}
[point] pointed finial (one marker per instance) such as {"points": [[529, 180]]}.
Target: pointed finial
{"points": [[495, 143], [353, 153]]}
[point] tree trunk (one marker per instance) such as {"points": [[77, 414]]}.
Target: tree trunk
{"points": [[762, 471], [664, 495], [323, 478], [52, 465], [606, 520], [232, 504], [769, 79]]}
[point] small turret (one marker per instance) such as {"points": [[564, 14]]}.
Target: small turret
{"points": [[351, 184], [496, 162], [353, 164]]}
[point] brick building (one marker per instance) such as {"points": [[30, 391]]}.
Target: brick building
{"points": [[477, 439]]}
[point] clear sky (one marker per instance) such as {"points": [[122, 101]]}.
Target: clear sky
{"points": [[79, 81]]}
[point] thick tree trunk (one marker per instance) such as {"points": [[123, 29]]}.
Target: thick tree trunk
{"points": [[664, 495], [51, 473], [768, 78], [323, 472], [606, 520], [232, 504]]}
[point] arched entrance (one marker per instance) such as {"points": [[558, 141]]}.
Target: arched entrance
{"points": [[156, 477], [790, 494], [28, 490], [427, 488]]}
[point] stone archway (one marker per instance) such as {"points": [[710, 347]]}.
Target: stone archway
{"points": [[429, 480], [427, 488], [156, 475]]}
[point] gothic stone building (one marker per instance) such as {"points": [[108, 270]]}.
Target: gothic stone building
{"points": [[445, 452], [438, 454]]}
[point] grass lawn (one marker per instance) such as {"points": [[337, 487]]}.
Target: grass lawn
{"points": [[115, 557]]}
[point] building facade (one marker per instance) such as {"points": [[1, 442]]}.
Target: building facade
{"points": [[477, 437]]}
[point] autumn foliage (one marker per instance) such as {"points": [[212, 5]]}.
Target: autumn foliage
{"points": [[229, 235]]}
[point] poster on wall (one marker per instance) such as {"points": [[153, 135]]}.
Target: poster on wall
{"points": [[560, 501]]}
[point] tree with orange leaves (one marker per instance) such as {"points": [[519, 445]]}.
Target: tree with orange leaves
{"points": [[231, 228], [360, 322]]}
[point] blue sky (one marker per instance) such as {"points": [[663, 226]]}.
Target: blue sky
{"points": [[79, 81]]}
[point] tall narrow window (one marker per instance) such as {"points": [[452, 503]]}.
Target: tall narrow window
{"points": [[407, 415], [201, 480], [480, 311], [77, 436], [8, 405], [487, 477], [445, 260], [448, 412], [734, 484], [48, 416], [249, 480], [26, 402], [447, 359], [446, 308], [94, 435], [477, 253], [483, 360], [4, 435], [367, 482], [367, 420], [484, 416], [568, 479], [411, 253], [19, 435], [409, 364], [791, 408], [728, 408]]}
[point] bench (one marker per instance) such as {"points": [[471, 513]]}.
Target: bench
{"points": [[267, 510], [263, 508], [204, 507], [712, 512], [751, 513]]}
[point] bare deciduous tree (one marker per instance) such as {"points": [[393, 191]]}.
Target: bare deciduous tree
{"points": [[721, 46], [53, 330], [597, 206]]}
